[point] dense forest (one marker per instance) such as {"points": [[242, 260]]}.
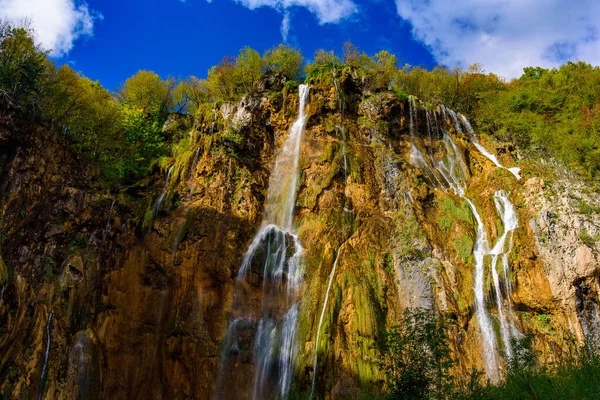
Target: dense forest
{"points": [[544, 114]]}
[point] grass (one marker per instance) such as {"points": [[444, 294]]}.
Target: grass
{"points": [[587, 239]]}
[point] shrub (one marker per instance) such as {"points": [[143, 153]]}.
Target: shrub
{"points": [[416, 358]]}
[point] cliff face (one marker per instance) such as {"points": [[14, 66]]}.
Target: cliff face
{"points": [[141, 283]]}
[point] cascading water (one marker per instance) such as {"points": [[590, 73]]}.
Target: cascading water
{"points": [[450, 173], [162, 196], [480, 250], [46, 356], [514, 170], [315, 359], [108, 220], [510, 222], [342, 131], [275, 256]]}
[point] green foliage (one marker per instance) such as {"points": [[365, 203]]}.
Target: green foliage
{"points": [[549, 112], [84, 111], [233, 78], [23, 70], [188, 95], [416, 357], [284, 60], [148, 93], [575, 376], [450, 212], [586, 209]]}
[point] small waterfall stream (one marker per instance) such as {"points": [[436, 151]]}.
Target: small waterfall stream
{"points": [[514, 170], [450, 173], [321, 318], [162, 196], [480, 250], [44, 374], [275, 256], [342, 132]]}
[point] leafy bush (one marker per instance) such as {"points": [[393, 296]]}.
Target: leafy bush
{"points": [[416, 358]]}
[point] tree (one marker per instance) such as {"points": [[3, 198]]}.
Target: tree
{"points": [[248, 69], [416, 356], [189, 94], [23, 68], [351, 53], [284, 60], [232, 79], [147, 92], [221, 80], [83, 110]]}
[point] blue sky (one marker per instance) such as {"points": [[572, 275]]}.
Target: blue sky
{"points": [[109, 40], [181, 39]]}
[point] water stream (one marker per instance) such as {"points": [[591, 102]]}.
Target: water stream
{"points": [[315, 359], [162, 196], [342, 133], [514, 170], [275, 256], [46, 356], [445, 168]]}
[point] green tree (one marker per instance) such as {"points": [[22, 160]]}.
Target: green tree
{"points": [[147, 92], [284, 60], [416, 357], [23, 69], [84, 111], [232, 79], [189, 94]]}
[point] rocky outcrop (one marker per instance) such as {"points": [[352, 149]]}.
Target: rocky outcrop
{"points": [[141, 295]]}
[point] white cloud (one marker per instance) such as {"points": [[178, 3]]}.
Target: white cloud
{"points": [[57, 23], [326, 11], [506, 35], [285, 25]]}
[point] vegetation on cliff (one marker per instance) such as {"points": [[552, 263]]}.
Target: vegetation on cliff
{"points": [[550, 112], [154, 266], [417, 362]]}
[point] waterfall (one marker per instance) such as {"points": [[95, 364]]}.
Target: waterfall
{"points": [[112, 205], [331, 275], [450, 173], [46, 356], [510, 222], [480, 250], [275, 256], [108, 220], [161, 198], [514, 170]]}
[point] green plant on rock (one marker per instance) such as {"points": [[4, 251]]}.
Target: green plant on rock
{"points": [[587, 239], [464, 247]]}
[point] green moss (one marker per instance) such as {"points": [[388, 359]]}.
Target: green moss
{"points": [[587, 239], [586, 209], [451, 211], [387, 263], [464, 247], [445, 223], [147, 220]]}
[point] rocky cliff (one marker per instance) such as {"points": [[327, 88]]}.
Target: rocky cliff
{"points": [[140, 283]]}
